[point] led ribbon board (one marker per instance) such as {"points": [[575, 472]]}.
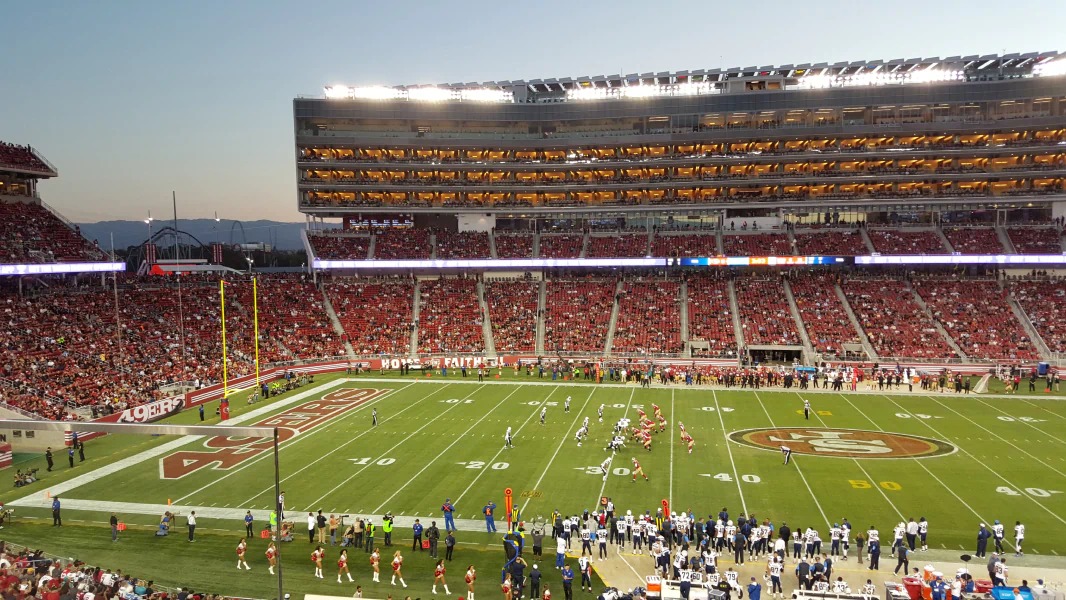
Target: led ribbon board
{"points": [[61, 268]]}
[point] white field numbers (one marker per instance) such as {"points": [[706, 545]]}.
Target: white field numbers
{"points": [[712, 409], [541, 403], [1004, 418], [479, 464], [458, 401], [726, 477], [1035, 492], [620, 471], [384, 462]]}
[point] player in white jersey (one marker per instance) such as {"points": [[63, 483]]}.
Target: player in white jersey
{"points": [[834, 540], [617, 443], [1019, 536], [585, 424], [600, 412], [821, 586], [845, 538], [543, 413], [710, 561], [797, 545], [923, 531], [997, 535], [508, 441], [581, 433], [787, 452], [566, 405], [870, 590], [897, 536], [807, 409], [840, 586], [730, 533], [604, 466], [999, 573], [733, 579], [774, 570], [719, 535], [808, 540]]}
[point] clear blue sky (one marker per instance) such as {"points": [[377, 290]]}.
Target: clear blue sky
{"points": [[131, 100]]}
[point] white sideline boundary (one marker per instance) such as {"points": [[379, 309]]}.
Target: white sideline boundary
{"points": [[111, 469]]}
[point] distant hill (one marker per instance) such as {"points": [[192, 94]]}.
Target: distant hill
{"points": [[283, 236]]}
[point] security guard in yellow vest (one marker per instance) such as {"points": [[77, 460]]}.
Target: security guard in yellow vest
{"points": [[386, 527], [514, 518], [369, 534]]}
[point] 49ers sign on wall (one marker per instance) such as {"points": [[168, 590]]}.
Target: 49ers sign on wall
{"points": [[224, 453], [847, 443]]}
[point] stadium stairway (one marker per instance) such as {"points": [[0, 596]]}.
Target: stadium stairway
{"points": [[536, 253], [1008, 246], [720, 243], [792, 242], [866, 345], [614, 316], [336, 322], [936, 322], [651, 240], [492, 245], [432, 246], [370, 248], [682, 297], [415, 310], [944, 240], [542, 296], [808, 350], [734, 308], [486, 323], [866, 240], [1030, 330], [584, 254]]}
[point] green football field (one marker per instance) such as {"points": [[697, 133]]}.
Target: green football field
{"points": [[956, 460]]}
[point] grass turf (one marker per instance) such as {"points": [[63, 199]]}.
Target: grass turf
{"points": [[439, 440]]}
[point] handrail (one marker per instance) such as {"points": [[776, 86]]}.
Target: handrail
{"points": [[41, 157]]}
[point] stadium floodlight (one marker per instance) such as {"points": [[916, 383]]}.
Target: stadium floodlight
{"points": [[1050, 68], [486, 95], [431, 94]]}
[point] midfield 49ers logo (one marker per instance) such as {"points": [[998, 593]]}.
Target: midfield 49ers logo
{"points": [[228, 452], [848, 443]]}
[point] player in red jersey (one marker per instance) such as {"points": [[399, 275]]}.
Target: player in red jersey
{"points": [[471, 575], [687, 439], [375, 563], [316, 557], [638, 471], [397, 563], [645, 439], [438, 575], [342, 567], [272, 556], [242, 546]]}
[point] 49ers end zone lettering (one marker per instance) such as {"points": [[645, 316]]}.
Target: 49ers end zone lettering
{"points": [[847, 443], [228, 452]]}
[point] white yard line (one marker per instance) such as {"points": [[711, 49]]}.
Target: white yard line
{"points": [[729, 449], [558, 448], [290, 442], [442, 452], [397, 445], [670, 496], [112, 468], [990, 469], [919, 463], [861, 468], [1001, 438], [613, 453], [996, 408], [319, 459], [481, 472], [1044, 409], [798, 470]]}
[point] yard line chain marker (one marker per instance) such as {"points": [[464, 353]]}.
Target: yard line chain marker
{"points": [[400, 443], [990, 469], [314, 462], [926, 469], [560, 447], [1005, 440], [500, 451], [729, 449], [604, 485], [861, 468], [435, 459], [291, 441], [798, 470]]}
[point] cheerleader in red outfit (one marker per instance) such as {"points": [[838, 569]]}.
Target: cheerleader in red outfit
{"points": [[397, 562], [316, 557], [241, 547], [272, 557], [506, 587], [471, 575], [375, 563], [438, 575], [342, 567]]}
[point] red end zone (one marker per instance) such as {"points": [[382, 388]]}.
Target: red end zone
{"points": [[227, 452]]}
